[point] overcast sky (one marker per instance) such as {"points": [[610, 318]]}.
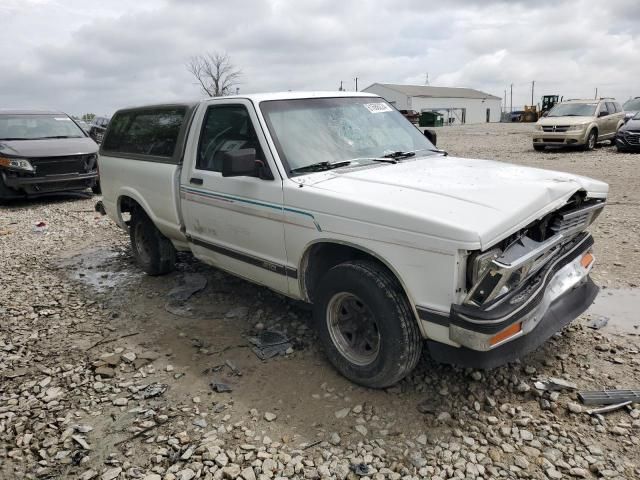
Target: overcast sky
{"points": [[96, 56]]}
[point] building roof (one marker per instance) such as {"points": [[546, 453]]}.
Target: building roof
{"points": [[436, 92]]}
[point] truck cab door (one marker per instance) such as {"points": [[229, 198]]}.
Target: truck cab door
{"points": [[234, 223]]}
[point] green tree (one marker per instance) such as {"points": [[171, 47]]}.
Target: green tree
{"points": [[88, 117]]}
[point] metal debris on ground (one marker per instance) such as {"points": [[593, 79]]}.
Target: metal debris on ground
{"points": [[555, 384], [220, 387], [609, 397], [609, 408], [187, 285], [597, 322], [270, 343], [39, 227]]}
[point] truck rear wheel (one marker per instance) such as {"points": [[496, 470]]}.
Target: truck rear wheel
{"points": [[366, 325], [154, 252]]}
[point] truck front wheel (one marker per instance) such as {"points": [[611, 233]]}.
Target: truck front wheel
{"points": [[366, 325], [154, 252]]}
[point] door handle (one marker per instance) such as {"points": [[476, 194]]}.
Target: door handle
{"points": [[195, 181]]}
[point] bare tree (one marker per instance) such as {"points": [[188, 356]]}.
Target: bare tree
{"points": [[215, 73]]}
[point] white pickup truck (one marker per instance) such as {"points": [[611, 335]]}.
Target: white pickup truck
{"points": [[337, 200]]}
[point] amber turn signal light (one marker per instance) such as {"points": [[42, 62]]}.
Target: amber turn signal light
{"points": [[506, 333], [586, 260]]}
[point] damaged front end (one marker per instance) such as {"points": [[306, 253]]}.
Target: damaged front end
{"points": [[525, 289]]}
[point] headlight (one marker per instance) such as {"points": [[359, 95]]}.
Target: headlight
{"points": [[575, 128], [16, 164], [479, 262]]}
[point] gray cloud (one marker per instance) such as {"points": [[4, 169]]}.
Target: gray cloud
{"points": [[83, 56]]}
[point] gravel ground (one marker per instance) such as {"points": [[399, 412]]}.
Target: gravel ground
{"points": [[103, 377]]}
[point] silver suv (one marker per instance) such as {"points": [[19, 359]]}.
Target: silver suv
{"points": [[579, 123]]}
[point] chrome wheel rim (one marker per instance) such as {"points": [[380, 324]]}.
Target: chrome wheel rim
{"points": [[142, 244], [592, 140], [353, 329]]}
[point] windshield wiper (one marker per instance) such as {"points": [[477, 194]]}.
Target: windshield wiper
{"points": [[401, 155], [55, 136], [397, 155], [321, 166]]}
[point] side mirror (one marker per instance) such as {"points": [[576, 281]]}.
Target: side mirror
{"points": [[239, 163], [603, 114], [431, 136]]}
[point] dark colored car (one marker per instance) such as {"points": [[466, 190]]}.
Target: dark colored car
{"points": [[631, 108], [98, 127], [411, 115], [44, 152], [628, 136]]}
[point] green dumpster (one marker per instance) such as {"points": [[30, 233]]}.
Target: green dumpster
{"points": [[431, 119]]}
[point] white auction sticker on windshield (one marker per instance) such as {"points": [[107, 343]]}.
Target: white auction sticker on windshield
{"points": [[62, 119], [379, 107]]}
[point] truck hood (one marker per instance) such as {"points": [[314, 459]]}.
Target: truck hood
{"points": [[474, 203], [53, 147]]}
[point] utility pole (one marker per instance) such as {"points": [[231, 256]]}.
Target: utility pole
{"points": [[596, 97], [356, 79], [426, 79], [533, 86], [505, 100], [512, 98], [341, 89]]}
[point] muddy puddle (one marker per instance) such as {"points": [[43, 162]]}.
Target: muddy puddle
{"points": [[617, 310], [100, 268]]}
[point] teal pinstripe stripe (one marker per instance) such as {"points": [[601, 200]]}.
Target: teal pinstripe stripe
{"points": [[224, 196]]}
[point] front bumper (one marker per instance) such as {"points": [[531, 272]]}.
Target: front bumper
{"points": [[549, 139], [51, 183], [489, 338], [628, 142], [559, 314]]}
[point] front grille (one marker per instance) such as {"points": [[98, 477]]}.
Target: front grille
{"points": [[555, 128], [632, 138], [575, 220], [46, 166]]}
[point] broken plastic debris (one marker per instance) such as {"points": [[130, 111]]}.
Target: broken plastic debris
{"points": [[597, 322], [360, 469], [269, 344], [40, 227], [152, 390], [220, 387], [186, 285], [555, 384]]}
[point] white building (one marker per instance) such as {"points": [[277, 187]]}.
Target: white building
{"points": [[457, 105]]}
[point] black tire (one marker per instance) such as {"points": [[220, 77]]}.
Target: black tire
{"points": [[398, 342], [154, 252], [592, 140], [539, 148], [96, 188]]}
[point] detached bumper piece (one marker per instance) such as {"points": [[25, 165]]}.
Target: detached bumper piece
{"points": [[517, 324]]}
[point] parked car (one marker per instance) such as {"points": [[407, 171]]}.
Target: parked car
{"points": [[43, 152], [579, 123], [516, 115], [628, 137], [339, 201], [631, 108], [97, 128], [411, 115]]}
